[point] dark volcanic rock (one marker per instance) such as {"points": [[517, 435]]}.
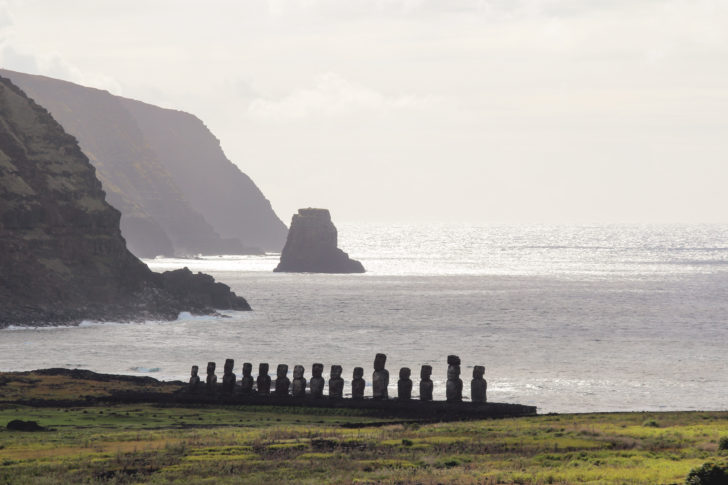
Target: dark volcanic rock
{"points": [[164, 170], [311, 246], [201, 290], [20, 425], [63, 258]]}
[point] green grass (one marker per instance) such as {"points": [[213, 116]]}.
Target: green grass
{"points": [[152, 444], [269, 445]]}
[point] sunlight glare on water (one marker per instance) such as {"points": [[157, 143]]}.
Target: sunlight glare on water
{"points": [[568, 318]]}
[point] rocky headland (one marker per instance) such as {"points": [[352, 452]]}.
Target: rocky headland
{"points": [[164, 170], [312, 246], [62, 256]]}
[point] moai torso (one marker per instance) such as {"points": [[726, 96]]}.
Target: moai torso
{"points": [[263, 380], [478, 386], [358, 384], [317, 382], [299, 382], [283, 383], [194, 384], [211, 381], [336, 383], [228, 378], [425, 383], [380, 378], [404, 385], [246, 382], [454, 389]]}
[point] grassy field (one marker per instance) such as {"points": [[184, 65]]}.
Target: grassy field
{"points": [[149, 444], [245, 444]]}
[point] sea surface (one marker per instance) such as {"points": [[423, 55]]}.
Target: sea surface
{"points": [[567, 318]]}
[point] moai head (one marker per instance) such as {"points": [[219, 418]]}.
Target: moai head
{"points": [[404, 373], [478, 371], [247, 369], [229, 364], [210, 367], [379, 361], [426, 372], [358, 372], [453, 372], [263, 369], [317, 370], [335, 371], [195, 369], [282, 371], [298, 372], [453, 360]]}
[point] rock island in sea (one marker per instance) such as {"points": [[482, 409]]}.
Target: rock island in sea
{"points": [[312, 246]]}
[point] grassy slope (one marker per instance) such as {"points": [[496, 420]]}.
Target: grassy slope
{"points": [[147, 443]]}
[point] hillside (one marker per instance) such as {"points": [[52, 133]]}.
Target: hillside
{"points": [[164, 170], [63, 256]]}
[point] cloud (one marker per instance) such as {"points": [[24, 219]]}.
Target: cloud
{"points": [[333, 96]]}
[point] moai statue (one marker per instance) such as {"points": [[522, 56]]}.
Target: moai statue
{"points": [[425, 383], [317, 382], [263, 380], [246, 382], [404, 385], [299, 382], [228, 378], [194, 384], [211, 381], [336, 383], [478, 385], [283, 383], [380, 378], [358, 384], [454, 390]]}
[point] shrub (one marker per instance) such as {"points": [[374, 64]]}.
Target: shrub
{"points": [[723, 443], [651, 423], [708, 474]]}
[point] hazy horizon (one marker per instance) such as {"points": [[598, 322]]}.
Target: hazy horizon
{"points": [[415, 111]]}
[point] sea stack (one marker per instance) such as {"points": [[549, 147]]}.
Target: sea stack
{"points": [[312, 246]]}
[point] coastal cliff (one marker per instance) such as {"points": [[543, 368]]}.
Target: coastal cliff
{"points": [[312, 246], [63, 256], [164, 170]]}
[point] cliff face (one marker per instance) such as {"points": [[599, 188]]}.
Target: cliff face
{"points": [[227, 198], [311, 246], [164, 171], [62, 256]]}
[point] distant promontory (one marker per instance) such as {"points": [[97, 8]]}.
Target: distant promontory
{"points": [[62, 256], [164, 170], [312, 246]]}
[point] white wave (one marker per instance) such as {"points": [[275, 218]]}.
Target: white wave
{"points": [[182, 317], [145, 369]]}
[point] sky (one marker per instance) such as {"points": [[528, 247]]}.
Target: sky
{"points": [[481, 111]]}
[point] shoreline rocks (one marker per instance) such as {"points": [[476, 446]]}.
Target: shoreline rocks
{"points": [[312, 246]]}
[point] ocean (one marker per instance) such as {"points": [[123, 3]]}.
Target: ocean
{"points": [[567, 318]]}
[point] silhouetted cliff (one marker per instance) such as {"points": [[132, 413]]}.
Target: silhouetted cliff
{"points": [[164, 171], [62, 256]]}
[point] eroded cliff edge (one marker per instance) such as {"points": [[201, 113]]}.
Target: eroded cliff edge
{"points": [[312, 246], [164, 170], [62, 256]]}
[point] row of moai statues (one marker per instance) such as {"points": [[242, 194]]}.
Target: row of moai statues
{"points": [[380, 381]]}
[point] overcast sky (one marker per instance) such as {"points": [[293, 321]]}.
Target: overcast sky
{"points": [[424, 110]]}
